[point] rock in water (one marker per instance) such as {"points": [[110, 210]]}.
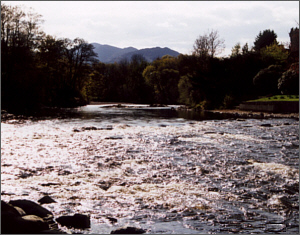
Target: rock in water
{"points": [[32, 208], [46, 200], [8, 210], [32, 223], [128, 230], [13, 222], [266, 125], [76, 221]]}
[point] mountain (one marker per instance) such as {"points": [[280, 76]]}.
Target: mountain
{"points": [[107, 53], [111, 54]]}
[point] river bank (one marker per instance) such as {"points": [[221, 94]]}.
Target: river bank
{"points": [[228, 113], [237, 113]]}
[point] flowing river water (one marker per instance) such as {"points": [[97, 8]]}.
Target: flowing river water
{"points": [[157, 169]]}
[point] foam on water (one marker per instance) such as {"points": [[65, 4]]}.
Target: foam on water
{"points": [[148, 171]]}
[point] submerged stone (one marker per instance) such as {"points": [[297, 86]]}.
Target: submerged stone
{"points": [[76, 221], [266, 125], [128, 230], [46, 200]]}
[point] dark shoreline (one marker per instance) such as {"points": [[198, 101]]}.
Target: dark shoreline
{"points": [[228, 113], [236, 113]]}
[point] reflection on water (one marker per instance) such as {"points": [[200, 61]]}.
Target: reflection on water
{"points": [[157, 169]]}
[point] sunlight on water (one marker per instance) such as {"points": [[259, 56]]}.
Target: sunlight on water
{"points": [[157, 171], [277, 168]]}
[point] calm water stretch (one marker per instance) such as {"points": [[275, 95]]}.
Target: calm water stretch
{"points": [[155, 168]]}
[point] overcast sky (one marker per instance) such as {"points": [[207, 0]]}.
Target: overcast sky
{"points": [[170, 24]]}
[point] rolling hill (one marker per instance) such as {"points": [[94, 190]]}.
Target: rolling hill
{"points": [[110, 54]]}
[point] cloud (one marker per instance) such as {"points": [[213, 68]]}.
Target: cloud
{"points": [[174, 24]]}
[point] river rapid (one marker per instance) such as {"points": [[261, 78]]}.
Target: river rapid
{"points": [[157, 169]]}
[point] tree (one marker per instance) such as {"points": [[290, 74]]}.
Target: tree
{"points": [[20, 35], [137, 89], [236, 50], [97, 83], [265, 38], [294, 44], [277, 52], [209, 44], [245, 49], [186, 92], [266, 79], [77, 59], [288, 83], [163, 76]]}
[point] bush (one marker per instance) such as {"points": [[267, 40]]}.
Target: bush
{"points": [[228, 102], [266, 80], [288, 83], [205, 105]]}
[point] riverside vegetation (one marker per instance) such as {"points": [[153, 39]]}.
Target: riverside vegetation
{"points": [[39, 70], [135, 165]]}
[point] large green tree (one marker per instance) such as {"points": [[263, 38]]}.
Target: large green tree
{"points": [[265, 38], [163, 76]]}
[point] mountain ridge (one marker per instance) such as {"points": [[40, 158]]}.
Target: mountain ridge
{"points": [[110, 54]]}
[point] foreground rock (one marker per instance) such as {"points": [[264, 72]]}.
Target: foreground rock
{"points": [[76, 221], [46, 200], [27, 217], [21, 219], [128, 230], [32, 208]]}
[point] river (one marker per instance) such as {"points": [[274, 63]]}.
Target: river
{"points": [[157, 169]]}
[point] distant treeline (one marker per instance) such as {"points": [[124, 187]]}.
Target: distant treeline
{"points": [[39, 70]]}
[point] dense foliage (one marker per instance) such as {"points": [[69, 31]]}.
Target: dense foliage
{"points": [[40, 70], [264, 39], [37, 69]]}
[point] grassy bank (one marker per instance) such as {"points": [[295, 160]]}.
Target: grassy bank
{"points": [[277, 98]]}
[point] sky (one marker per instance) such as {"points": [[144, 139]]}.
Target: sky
{"points": [[173, 24]]}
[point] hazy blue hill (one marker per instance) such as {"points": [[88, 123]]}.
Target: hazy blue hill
{"points": [[111, 54], [107, 53], [149, 54]]}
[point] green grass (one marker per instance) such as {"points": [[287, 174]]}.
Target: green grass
{"points": [[277, 98]]}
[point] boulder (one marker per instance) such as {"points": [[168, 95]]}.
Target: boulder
{"points": [[104, 185], [116, 137], [111, 219], [266, 125], [128, 230], [46, 200], [12, 221], [20, 210], [8, 210], [32, 208], [76, 221], [89, 128], [24, 224], [31, 223]]}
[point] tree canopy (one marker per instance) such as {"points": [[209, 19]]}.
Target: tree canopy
{"points": [[209, 44], [265, 38], [40, 70]]}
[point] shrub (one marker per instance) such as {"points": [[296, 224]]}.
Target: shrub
{"points": [[228, 101], [288, 83], [266, 80]]}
